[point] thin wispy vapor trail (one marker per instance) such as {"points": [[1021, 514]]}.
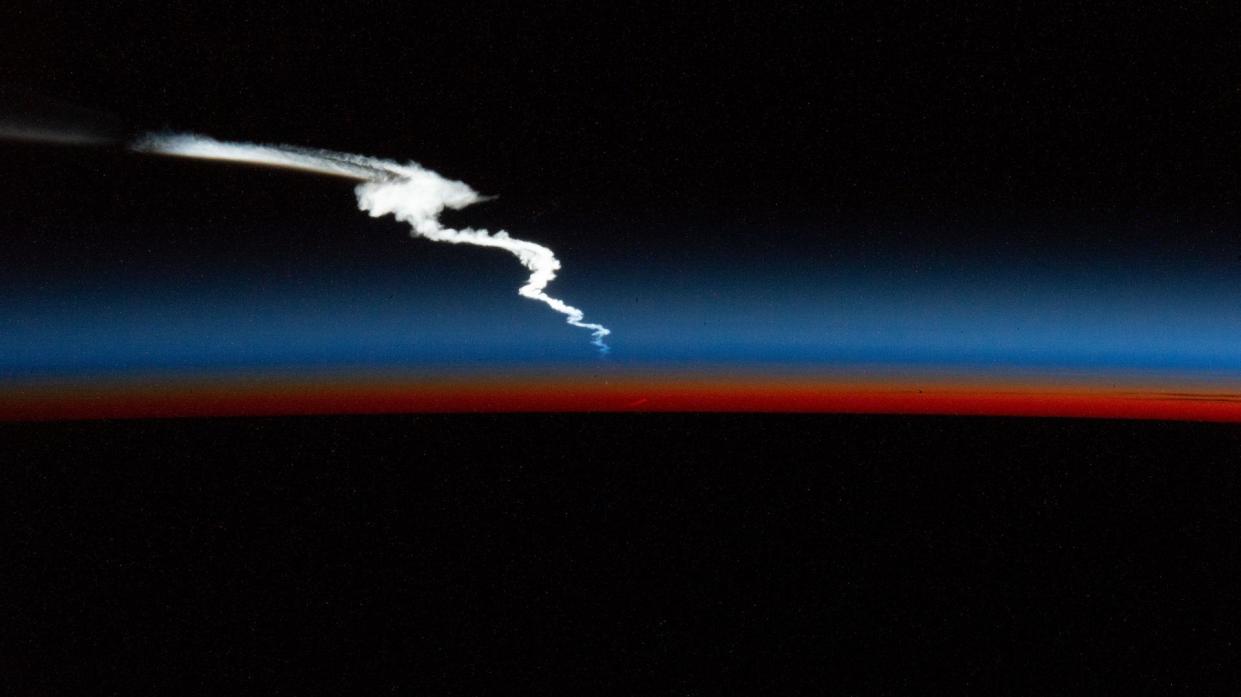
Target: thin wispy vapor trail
{"points": [[409, 192]]}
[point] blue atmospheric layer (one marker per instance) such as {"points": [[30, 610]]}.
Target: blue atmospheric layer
{"points": [[1092, 313]]}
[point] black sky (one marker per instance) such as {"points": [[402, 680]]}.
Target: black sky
{"points": [[1099, 113]]}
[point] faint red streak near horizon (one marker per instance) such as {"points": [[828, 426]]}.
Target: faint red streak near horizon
{"points": [[184, 397]]}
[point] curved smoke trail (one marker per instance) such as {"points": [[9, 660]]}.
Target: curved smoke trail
{"points": [[409, 192]]}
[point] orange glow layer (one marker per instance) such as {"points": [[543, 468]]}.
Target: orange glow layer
{"points": [[254, 396]]}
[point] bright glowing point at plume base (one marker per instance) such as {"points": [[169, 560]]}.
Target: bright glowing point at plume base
{"points": [[408, 192]]}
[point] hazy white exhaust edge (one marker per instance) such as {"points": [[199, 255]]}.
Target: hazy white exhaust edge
{"points": [[409, 192]]}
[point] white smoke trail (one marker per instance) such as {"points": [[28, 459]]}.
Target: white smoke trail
{"points": [[408, 192]]}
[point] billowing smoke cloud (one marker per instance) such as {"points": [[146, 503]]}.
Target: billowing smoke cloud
{"points": [[408, 192]]}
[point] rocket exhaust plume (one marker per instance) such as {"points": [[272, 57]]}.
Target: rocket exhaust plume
{"points": [[27, 116], [408, 192]]}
